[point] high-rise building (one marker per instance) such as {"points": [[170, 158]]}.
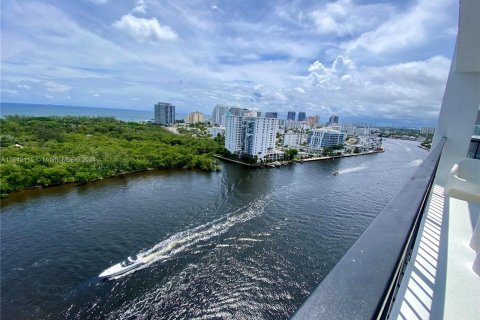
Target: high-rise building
{"points": [[312, 120], [291, 115], [251, 136], [427, 130], [291, 139], [194, 117], [322, 138], [164, 113], [250, 114], [271, 115], [294, 125], [332, 120], [217, 114], [302, 116], [348, 128], [236, 111], [215, 131]]}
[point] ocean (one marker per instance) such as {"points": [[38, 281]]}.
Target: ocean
{"points": [[29, 109]]}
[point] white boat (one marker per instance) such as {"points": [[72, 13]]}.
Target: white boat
{"points": [[120, 268]]}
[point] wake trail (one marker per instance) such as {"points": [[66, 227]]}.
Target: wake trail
{"points": [[183, 240], [361, 167]]}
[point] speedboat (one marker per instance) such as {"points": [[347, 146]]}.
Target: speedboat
{"points": [[335, 173], [120, 268]]}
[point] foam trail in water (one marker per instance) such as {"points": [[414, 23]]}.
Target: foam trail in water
{"points": [[416, 163], [363, 166], [185, 239]]}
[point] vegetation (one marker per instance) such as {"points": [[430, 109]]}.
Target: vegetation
{"points": [[390, 132], [332, 150], [427, 144], [43, 151], [198, 129], [292, 153]]}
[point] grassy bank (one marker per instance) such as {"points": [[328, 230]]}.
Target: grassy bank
{"points": [[44, 151]]}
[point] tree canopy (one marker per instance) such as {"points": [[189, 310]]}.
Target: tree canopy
{"points": [[43, 151]]}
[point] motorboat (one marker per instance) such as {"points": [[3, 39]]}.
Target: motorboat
{"points": [[335, 173], [128, 264]]}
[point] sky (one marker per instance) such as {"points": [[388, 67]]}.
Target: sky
{"points": [[375, 59]]}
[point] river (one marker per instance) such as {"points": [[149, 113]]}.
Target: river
{"points": [[239, 243]]}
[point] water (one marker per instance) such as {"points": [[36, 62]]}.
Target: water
{"points": [[235, 244], [26, 109]]}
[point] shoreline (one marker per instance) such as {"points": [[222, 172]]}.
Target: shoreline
{"points": [[287, 162], [422, 147], [9, 195]]}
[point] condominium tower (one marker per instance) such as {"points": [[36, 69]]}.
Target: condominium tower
{"points": [[291, 115], [322, 138], [271, 115], [333, 120], [195, 117], [217, 114], [302, 116], [249, 135], [164, 113]]}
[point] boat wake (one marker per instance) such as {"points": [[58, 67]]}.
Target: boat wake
{"points": [[416, 163], [361, 167], [185, 239]]}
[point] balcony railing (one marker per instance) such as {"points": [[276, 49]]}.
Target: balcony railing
{"points": [[364, 282], [474, 149]]}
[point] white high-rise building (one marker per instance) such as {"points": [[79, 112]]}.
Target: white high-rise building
{"points": [[236, 111], [251, 136], [233, 133], [252, 114], [427, 130], [215, 131], [322, 138], [217, 114], [291, 139]]}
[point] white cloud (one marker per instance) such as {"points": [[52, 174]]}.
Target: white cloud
{"points": [[143, 29], [9, 92], [55, 87], [345, 18], [98, 1], [341, 66], [140, 7], [417, 25], [411, 89], [299, 90]]}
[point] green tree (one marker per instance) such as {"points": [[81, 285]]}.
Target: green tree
{"points": [[292, 153]]}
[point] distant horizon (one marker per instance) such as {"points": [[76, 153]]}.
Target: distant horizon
{"points": [[374, 122]]}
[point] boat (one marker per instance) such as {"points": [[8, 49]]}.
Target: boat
{"points": [[120, 268], [335, 173]]}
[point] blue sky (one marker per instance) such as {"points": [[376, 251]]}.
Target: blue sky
{"points": [[377, 59]]}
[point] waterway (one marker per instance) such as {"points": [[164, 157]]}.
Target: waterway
{"points": [[240, 243]]}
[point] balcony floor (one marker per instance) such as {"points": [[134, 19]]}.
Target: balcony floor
{"points": [[439, 282]]}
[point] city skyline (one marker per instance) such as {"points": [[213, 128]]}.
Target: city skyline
{"points": [[322, 57]]}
